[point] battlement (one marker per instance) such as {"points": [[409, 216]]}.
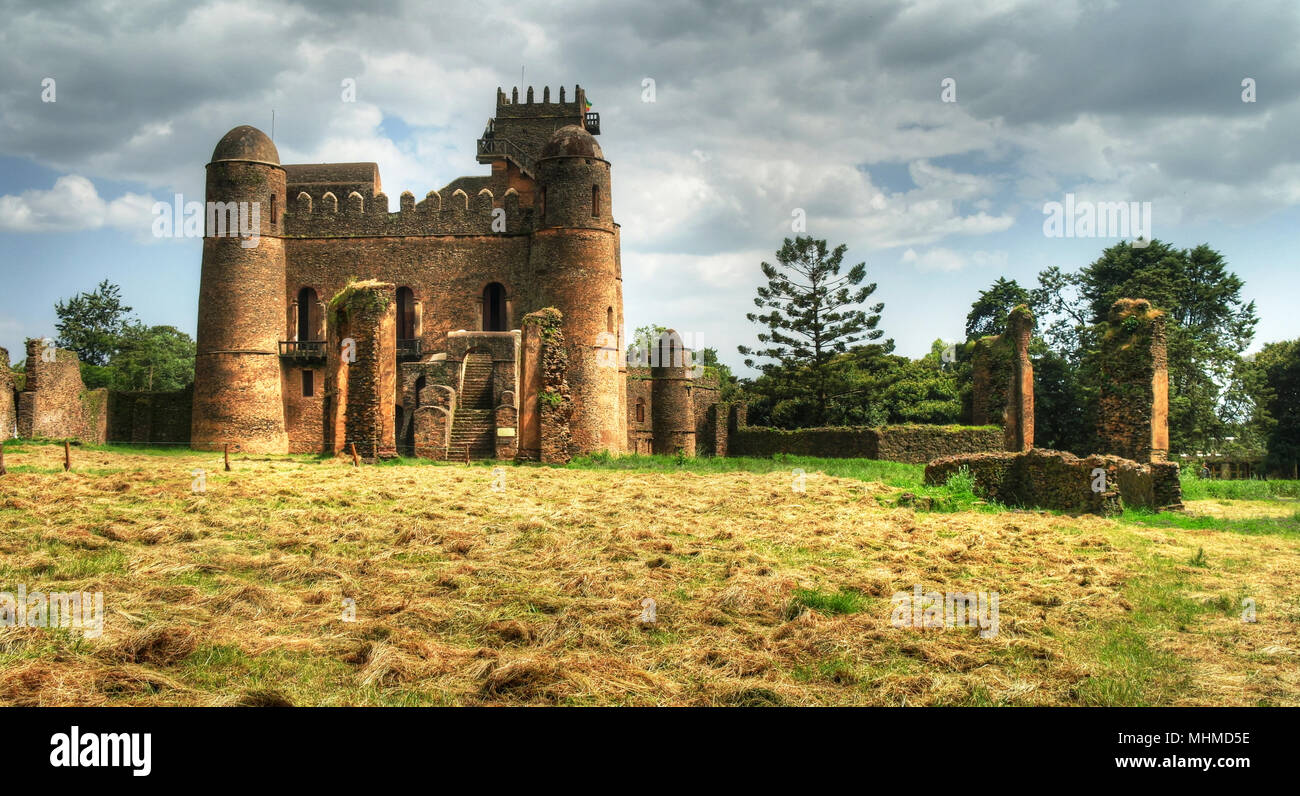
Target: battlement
{"points": [[355, 215], [511, 108]]}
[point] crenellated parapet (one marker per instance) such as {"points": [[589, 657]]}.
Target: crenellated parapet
{"points": [[328, 216]]}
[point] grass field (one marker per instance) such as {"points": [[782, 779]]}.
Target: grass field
{"points": [[525, 585]]}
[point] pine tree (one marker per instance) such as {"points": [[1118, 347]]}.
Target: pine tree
{"points": [[812, 316]]}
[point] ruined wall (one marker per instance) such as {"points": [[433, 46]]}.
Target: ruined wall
{"points": [[546, 404], [162, 418], [915, 444], [1002, 381], [55, 403], [1061, 481], [304, 415], [363, 393], [1133, 403], [8, 401], [640, 412]]}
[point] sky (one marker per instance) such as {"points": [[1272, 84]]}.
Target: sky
{"points": [[926, 136]]}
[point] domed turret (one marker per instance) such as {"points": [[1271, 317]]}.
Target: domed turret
{"points": [[237, 395], [575, 256], [246, 143], [573, 142]]}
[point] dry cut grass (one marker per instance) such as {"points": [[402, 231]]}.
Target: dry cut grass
{"points": [[466, 594]]}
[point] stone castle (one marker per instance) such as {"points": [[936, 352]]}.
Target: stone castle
{"points": [[406, 332]]}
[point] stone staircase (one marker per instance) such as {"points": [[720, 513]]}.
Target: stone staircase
{"points": [[474, 425]]}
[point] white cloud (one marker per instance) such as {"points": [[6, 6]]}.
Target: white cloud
{"points": [[74, 204], [949, 260]]}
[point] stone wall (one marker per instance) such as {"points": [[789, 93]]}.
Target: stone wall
{"points": [[1061, 481], [363, 393], [545, 404], [55, 403], [1002, 381], [8, 401], [915, 444], [150, 417], [1133, 404]]}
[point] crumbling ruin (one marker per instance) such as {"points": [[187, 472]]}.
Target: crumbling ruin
{"points": [[1133, 423]]}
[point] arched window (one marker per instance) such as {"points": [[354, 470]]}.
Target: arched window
{"points": [[595, 201], [273, 210], [609, 319], [308, 314], [494, 308], [640, 410], [405, 314]]}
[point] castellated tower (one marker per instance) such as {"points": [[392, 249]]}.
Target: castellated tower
{"points": [[672, 409], [237, 379], [574, 262]]}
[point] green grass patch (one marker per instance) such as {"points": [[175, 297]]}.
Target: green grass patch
{"points": [[844, 601], [1195, 488], [1248, 526]]}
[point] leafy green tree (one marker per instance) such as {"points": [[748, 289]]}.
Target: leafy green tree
{"points": [[988, 315], [153, 358], [812, 316], [1209, 326], [1276, 390], [647, 335], [91, 324]]}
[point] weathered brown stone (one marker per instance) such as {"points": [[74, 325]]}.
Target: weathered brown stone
{"points": [[54, 402], [1061, 481], [1133, 402]]}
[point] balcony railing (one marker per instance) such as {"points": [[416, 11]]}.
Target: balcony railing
{"points": [[591, 121], [302, 349], [504, 147], [409, 348]]}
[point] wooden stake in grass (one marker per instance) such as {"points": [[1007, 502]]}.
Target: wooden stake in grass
{"points": [[356, 462], [67, 456], [227, 454]]}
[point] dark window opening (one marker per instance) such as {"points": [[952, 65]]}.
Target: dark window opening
{"points": [[640, 410], [494, 308], [273, 210], [609, 319], [595, 201], [308, 383], [541, 210], [307, 314], [405, 314]]}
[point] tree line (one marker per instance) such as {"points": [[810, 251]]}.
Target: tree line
{"points": [[116, 349], [823, 360]]}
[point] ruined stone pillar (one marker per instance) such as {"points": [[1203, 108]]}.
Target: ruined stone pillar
{"points": [[1133, 405], [1018, 430], [545, 405], [8, 410], [362, 372], [1002, 381]]}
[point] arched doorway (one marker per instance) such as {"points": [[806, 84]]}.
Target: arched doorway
{"points": [[494, 308]]}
